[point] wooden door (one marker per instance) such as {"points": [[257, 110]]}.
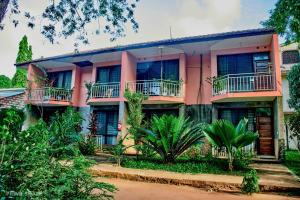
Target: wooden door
{"points": [[265, 130]]}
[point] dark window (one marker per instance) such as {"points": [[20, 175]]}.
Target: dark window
{"points": [[167, 69], [108, 74], [107, 126], [61, 79], [241, 63], [289, 57]]}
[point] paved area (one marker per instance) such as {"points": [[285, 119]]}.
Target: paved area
{"points": [[147, 191], [270, 181]]}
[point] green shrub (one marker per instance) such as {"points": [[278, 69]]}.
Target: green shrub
{"points": [[250, 182], [193, 152], [13, 118], [87, 146], [242, 160]]}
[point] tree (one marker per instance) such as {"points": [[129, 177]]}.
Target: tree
{"points": [[19, 80], [294, 85], [285, 18], [65, 18], [222, 133], [294, 124], [170, 136], [5, 82]]}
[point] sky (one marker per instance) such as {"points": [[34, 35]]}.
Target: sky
{"points": [[155, 17]]}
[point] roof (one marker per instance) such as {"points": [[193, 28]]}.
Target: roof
{"points": [[11, 92], [191, 39]]}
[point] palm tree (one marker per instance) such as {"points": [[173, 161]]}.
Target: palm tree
{"points": [[222, 133], [170, 136]]}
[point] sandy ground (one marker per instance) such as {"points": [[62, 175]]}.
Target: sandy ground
{"points": [[146, 191]]}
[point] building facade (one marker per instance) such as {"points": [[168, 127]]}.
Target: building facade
{"points": [[289, 57], [219, 76]]}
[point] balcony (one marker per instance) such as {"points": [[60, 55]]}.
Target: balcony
{"points": [[50, 95], [105, 90], [158, 90], [238, 83]]}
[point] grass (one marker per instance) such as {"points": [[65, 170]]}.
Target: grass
{"points": [[292, 161], [199, 166]]}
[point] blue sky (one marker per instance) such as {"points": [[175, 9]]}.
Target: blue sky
{"points": [[155, 17]]}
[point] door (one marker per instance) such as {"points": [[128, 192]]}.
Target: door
{"points": [[107, 126], [265, 130]]}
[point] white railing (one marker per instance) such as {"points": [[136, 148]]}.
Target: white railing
{"points": [[105, 90], [156, 87], [98, 139], [222, 153], [232, 83], [50, 94]]}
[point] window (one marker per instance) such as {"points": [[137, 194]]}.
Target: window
{"points": [[108, 74], [61, 79], [289, 57], [107, 126], [241, 63], [167, 69]]}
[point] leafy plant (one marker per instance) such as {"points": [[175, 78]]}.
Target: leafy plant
{"points": [[170, 136], [88, 86], [294, 85], [65, 129], [87, 146], [222, 133], [250, 182], [293, 121], [242, 160], [5, 82]]}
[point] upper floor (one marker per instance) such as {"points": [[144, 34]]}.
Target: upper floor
{"points": [[225, 67]]}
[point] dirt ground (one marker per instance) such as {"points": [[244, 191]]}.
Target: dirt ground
{"points": [[146, 191]]}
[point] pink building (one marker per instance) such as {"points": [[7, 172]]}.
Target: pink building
{"points": [[226, 75]]}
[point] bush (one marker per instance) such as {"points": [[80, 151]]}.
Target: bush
{"points": [[242, 160], [87, 146], [250, 182], [193, 152]]}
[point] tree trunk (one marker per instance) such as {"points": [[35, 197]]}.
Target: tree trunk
{"points": [[230, 166], [3, 9]]}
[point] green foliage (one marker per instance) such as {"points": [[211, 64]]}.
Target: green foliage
{"points": [[12, 118], [170, 136], [119, 150], [87, 146], [27, 166], [250, 182], [66, 18], [222, 133], [25, 51], [65, 129], [92, 127], [204, 165], [285, 18], [242, 160], [19, 80], [5, 82], [292, 161], [294, 85], [193, 152]]}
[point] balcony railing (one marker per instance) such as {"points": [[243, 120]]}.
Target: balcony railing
{"points": [[156, 87], [105, 90], [233, 83], [50, 94]]}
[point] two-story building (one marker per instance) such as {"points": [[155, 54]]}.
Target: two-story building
{"points": [[226, 75]]}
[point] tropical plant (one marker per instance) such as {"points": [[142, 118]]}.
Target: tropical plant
{"points": [[87, 146], [92, 127], [285, 19], [170, 136], [294, 125], [222, 133], [250, 182], [65, 133], [88, 86]]}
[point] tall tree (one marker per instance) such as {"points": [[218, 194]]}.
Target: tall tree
{"points": [[24, 54], [5, 82], [65, 18], [294, 85], [285, 18]]}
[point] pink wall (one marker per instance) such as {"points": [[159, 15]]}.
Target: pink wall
{"points": [[85, 76], [128, 71], [33, 75], [275, 59]]}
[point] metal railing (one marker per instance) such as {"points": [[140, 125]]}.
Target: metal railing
{"points": [[232, 83], [222, 153], [156, 87], [105, 90], [50, 94]]}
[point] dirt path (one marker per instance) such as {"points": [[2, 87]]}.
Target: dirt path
{"points": [[146, 191]]}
